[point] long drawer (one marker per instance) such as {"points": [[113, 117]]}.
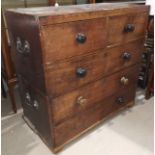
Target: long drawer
{"points": [[69, 75], [87, 96], [125, 28], [73, 38], [72, 127]]}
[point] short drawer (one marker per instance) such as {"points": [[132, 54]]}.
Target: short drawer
{"points": [[69, 75], [74, 126], [66, 40], [126, 28], [85, 97]]}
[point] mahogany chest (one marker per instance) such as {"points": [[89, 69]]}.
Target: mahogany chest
{"points": [[77, 65]]}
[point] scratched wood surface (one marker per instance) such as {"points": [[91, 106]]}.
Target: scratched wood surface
{"points": [[105, 40]]}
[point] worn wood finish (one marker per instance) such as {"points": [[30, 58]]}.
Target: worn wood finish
{"points": [[111, 59], [68, 105], [76, 68]]}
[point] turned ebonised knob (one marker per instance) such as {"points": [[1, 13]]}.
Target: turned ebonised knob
{"points": [[26, 47], [81, 38], [81, 72], [126, 56], [120, 100], [129, 28]]}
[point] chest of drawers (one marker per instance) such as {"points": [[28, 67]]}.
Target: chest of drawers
{"points": [[77, 65]]}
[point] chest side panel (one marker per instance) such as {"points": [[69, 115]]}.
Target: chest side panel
{"points": [[26, 49], [27, 57]]}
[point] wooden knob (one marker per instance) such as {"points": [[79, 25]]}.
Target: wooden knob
{"points": [[81, 100], [124, 80]]}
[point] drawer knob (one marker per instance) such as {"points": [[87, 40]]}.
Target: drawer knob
{"points": [[124, 80], [81, 38], [81, 100], [129, 28], [81, 72], [120, 100], [126, 56]]}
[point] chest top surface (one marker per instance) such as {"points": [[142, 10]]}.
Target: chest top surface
{"points": [[52, 15]]}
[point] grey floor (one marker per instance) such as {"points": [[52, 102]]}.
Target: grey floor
{"points": [[128, 133]]}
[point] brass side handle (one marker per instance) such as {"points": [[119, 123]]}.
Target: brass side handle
{"points": [[124, 80], [22, 47], [81, 72], [19, 47], [28, 99]]}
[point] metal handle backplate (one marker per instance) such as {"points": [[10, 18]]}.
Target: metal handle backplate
{"points": [[22, 47]]}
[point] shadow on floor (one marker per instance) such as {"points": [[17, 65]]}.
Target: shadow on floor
{"points": [[6, 108]]}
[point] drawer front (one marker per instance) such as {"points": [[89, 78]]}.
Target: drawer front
{"points": [[70, 39], [85, 97], [126, 28], [67, 76], [74, 126]]}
